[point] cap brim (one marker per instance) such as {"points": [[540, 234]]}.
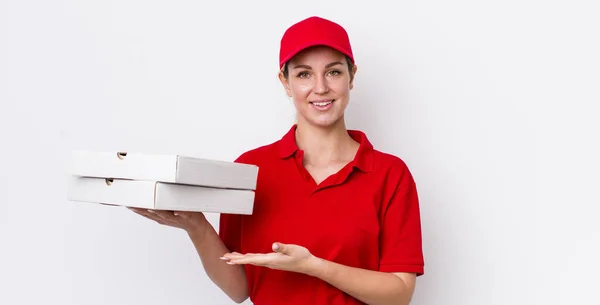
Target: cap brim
{"points": [[314, 44]]}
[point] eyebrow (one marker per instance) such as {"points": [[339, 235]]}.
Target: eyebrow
{"points": [[329, 65]]}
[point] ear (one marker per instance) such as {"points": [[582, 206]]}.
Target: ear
{"points": [[285, 83], [354, 70]]}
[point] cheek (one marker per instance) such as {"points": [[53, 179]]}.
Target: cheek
{"points": [[301, 89], [341, 87]]}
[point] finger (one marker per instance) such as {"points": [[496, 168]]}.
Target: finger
{"points": [[149, 215], [164, 215], [144, 213], [183, 215], [256, 259], [282, 248], [228, 256]]}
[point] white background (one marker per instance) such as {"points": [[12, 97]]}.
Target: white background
{"points": [[493, 105]]}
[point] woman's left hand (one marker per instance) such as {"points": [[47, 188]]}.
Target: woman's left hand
{"points": [[285, 257]]}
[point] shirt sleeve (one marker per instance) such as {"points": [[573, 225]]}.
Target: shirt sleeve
{"points": [[401, 241], [230, 225]]}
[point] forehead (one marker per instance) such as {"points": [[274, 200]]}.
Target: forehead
{"points": [[318, 54]]}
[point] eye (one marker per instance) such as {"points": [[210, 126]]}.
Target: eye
{"points": [[335, 72], [303, 74]]}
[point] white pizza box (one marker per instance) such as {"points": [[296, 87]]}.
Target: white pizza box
{"points": [[164, 168], [159, 195]]}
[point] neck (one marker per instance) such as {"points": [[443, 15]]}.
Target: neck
{"points": [[322, 146]]}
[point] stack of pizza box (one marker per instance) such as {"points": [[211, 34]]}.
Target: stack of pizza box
{"points": [[162, 182]]}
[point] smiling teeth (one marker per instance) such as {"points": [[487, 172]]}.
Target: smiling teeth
{"points": [[322, 104]]}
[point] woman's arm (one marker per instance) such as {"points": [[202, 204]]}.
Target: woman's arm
{"points": [[231, 279], [370, 287]]}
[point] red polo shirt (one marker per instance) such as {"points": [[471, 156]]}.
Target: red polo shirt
{"points": [[365, 216]]}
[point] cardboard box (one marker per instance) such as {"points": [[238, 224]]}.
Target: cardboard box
{"points": [[164, 168], [160, 195]]}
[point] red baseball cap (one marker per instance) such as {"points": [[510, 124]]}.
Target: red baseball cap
{"points": [[310, 32]]}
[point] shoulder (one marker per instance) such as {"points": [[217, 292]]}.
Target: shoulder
{"points": [[387, 168], [398, 186], [389, 163], [385, 159], [259, 154], [265, 154], [394, 174]]}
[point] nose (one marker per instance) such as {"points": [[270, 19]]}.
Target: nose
{"points": [[321, 85]]}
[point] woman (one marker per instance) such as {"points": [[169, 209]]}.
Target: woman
{"points": [[335, 221]]}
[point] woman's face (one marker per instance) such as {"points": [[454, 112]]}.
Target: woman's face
{"points": [[319, 83]]}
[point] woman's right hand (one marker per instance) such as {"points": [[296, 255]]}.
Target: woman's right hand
{"points": [[191, 222]]}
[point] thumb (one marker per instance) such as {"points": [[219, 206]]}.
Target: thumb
{"points": [[281, 248]]}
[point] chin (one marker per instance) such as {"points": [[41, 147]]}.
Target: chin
{"points": [[323, 122]]}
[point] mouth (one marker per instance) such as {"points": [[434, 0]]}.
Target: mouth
{"points": [[322, 104]]}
